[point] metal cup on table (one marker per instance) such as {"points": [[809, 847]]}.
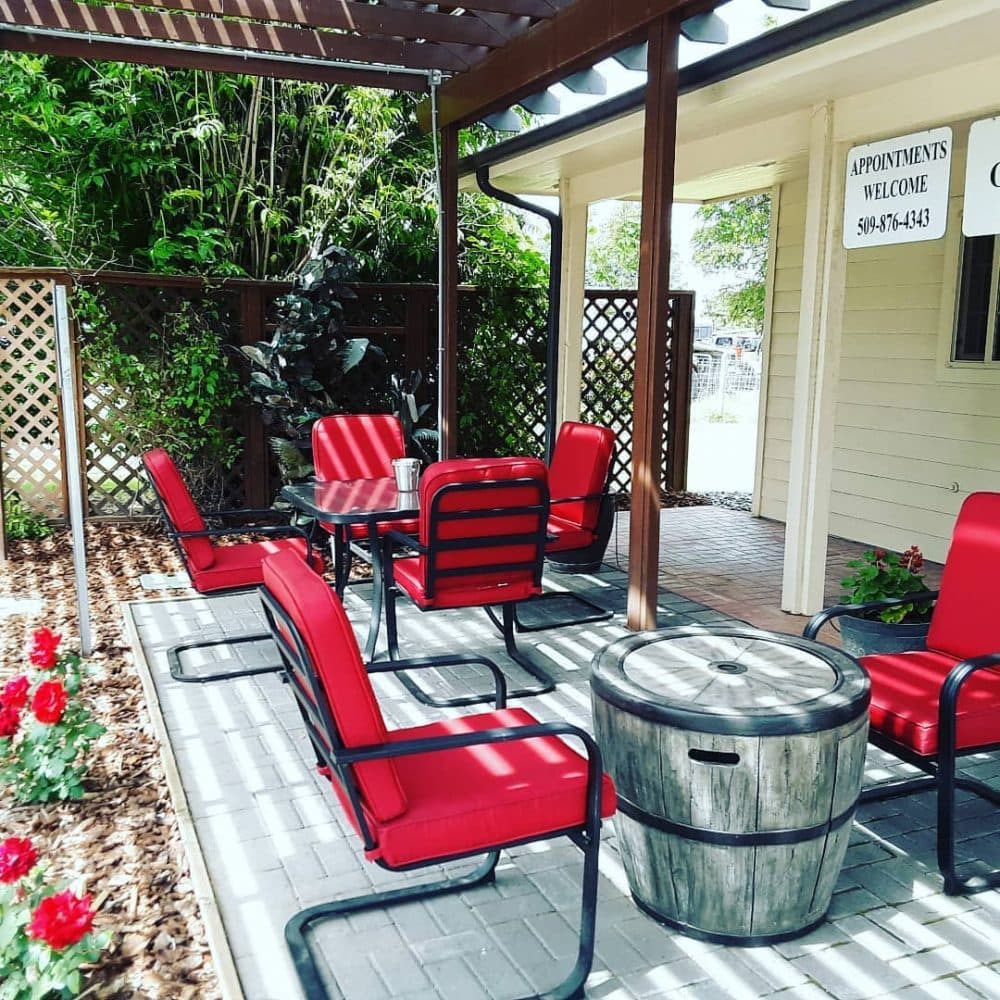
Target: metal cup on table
{"points": [[407, 472]]}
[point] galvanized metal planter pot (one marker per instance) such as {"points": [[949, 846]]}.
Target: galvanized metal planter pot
{"points": [[864, 637]]}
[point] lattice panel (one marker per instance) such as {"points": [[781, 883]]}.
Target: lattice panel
{"points": [[116, 483], [29, 402], [501, 370], [608, 370]]}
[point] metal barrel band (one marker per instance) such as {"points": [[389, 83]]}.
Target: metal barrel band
{"points": [[762, 838]]}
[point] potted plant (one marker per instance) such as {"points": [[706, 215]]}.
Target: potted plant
{"points": [[894, 624], [295, 376]]}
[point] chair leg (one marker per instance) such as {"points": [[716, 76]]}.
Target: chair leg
{"points": [[422, 695], [295, 929], [595, 614], [177, 669]]}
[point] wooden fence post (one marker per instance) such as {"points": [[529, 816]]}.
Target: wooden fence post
{"points": [[256, 456]]}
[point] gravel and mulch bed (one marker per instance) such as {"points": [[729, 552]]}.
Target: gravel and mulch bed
{"points": [[733, 499], [121, 840]]}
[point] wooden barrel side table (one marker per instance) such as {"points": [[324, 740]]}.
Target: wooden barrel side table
{"points": [[738, 756]]}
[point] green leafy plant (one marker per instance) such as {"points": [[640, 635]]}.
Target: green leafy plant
{"points": [[173, 384], [45, 729], [20, 521], [879, 574], [300, 373], [46, 931]]}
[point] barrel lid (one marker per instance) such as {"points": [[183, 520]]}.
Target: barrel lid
{"points": [[731, 679]]}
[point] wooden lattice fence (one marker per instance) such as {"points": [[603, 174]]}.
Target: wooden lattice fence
{"points": [[608, 367], [29, 401]]}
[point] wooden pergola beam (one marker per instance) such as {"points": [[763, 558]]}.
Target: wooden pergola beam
{"points": [[517, 8], [346, 15], [68, 15], [579, 36], [155, 54]]}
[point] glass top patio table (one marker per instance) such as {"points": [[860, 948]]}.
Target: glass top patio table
{"points": [[346, 502], [353, 501]]}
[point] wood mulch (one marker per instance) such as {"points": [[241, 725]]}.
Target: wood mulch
{"points": [[122, 839]]}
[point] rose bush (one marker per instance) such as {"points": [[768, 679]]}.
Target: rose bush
{"points": [[46, 932], [45, 729]]}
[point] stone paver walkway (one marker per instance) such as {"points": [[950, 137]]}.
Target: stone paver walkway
{"points": [[275, 840]]}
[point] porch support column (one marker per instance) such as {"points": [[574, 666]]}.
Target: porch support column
{"points": [[448, 290], [574, 264], [660, 141], [817, 365]]}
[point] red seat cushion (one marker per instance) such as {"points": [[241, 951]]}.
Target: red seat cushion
{"points": [[568, 535], [319, 616], [492, 794], [966, 621], [581, 459], [240, 565], [905, 692], [459, 591], [180, 508], [357, 446]]}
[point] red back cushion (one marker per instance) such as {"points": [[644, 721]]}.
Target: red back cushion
{"points": [[966, 619], [357, 446], [180, 507], [580, 463], [319, 616], [498, 472]]}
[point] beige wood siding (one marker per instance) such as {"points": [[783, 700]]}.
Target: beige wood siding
{"points": [[910, 442], [781, 348]]}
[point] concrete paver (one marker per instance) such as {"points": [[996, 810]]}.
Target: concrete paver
{"points": [[275, 840]]}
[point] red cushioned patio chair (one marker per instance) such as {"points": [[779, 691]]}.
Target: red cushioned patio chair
{"points": [[356, 446], [215, 568], [481, 542], [581, 516], [510, 780], [932, 706]]}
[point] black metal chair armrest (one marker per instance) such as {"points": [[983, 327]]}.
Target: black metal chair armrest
{"points": [[401, 538], [555, 501], [957, 676], [249, 512], [837, 610], [273, 530], [432, 744], [423, 662]]}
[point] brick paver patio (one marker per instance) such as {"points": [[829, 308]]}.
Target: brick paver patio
{"points": [[274, 839]]}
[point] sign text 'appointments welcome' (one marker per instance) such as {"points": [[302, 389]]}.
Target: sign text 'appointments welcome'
{"points": [[897, 190]]}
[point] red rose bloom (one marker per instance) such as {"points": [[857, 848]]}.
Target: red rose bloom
{"points": [[15, 692], [49, 702], [61, 920], [17, 858], [42, 652], [10, 720]]}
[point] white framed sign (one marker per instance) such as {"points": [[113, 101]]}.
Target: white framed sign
{"points": [[897, 190], [981, 216]]}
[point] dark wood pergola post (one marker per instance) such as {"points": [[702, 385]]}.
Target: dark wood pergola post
{"points": [[653, 319], [448, 353]]}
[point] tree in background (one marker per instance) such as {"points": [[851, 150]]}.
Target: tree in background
{"points": [[613, 250], [731, 238]]}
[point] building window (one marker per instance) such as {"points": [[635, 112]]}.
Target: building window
{"points": [[976, 338]]}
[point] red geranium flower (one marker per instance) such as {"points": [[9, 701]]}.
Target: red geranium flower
{"points": [[10, 720], [49, 702], [61, 920], [42, 652], [15, 692], [17, 858]]}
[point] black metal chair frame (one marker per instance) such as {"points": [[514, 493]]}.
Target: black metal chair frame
{"points": [[940, 769], [431, 552], [331, 753], [585, 560], [174, 653]]}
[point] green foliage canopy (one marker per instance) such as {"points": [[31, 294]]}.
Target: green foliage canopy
{"points": [[731, 238]]}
